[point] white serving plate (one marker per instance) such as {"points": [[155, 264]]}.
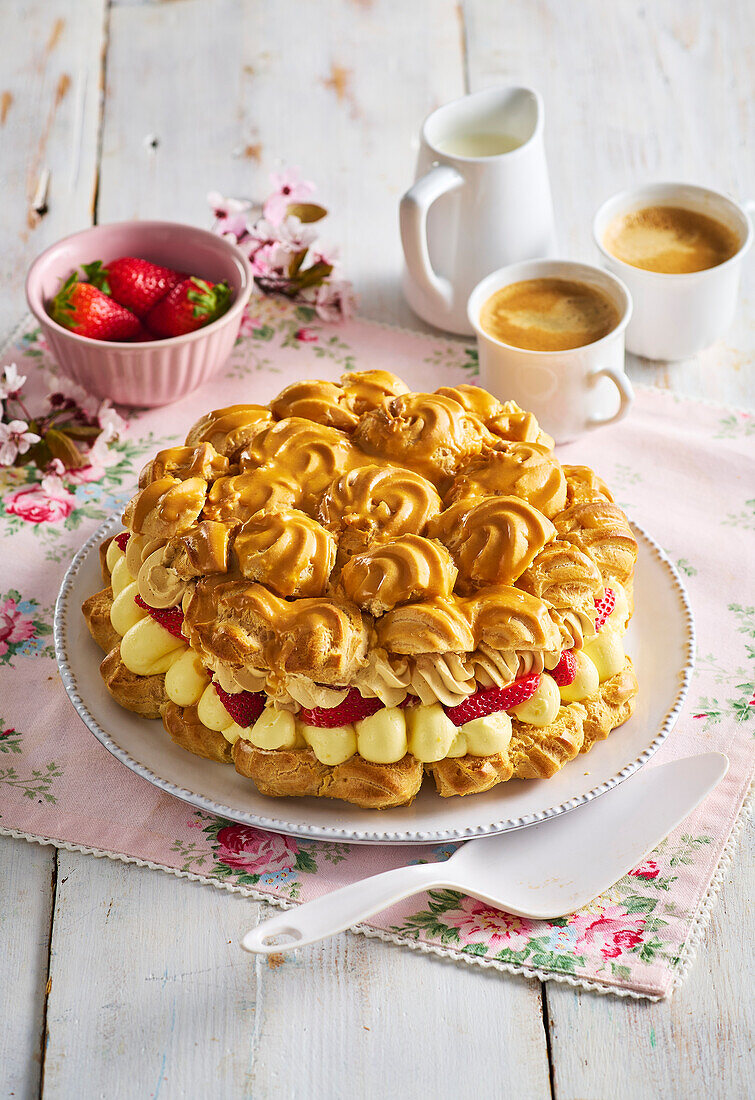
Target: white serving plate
{"points": [[660, 641]]}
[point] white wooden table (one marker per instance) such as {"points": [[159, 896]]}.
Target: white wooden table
{"points": [[117, 981]]}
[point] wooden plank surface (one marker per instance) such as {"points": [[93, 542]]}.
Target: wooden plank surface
{"points": [[50, 68], [26, 888], [148, 996]]}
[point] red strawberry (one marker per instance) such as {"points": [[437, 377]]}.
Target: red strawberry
{"points": [[352, 709], [408, 701], [121, 540], [169, 617], [244, 707], [566, 669], [604, 606], [85, 310], [188, 306], [489, 700], [136, 284]]}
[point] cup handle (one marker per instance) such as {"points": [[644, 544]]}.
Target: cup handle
{"points": [[626, 396], [413, 211]]}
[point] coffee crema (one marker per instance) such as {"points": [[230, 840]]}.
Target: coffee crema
{"points": [[549, 314], [670, 239]]}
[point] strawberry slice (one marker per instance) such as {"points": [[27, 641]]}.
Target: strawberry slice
{"points": [[134, 283], [85, 310], [244, 707], [489, 700], [604, 606], [121, 540], [566, 669], [171, 618], [352, 709], [408, 701]]}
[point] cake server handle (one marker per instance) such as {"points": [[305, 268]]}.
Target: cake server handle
{"points": [[341, 909]]}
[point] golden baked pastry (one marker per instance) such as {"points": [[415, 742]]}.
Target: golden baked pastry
{"points": [[358, 586]]}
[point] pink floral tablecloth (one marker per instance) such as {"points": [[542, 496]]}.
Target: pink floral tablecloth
{"points": [[683, 470]]}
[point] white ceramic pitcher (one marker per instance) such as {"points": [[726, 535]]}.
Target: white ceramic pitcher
{"points": [[466, 216]]}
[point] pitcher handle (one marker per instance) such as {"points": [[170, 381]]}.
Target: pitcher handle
{"points": [[413, 211], [626, 396]]}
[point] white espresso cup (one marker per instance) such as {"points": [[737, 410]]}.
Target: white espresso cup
{"points": [[677, 315], [570, 392], [481, 199]]}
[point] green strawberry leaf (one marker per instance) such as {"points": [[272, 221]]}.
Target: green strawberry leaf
{"points": [[97, 275]]}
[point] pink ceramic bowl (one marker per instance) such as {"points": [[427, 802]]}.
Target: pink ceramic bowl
{"points": [[158, 371]]}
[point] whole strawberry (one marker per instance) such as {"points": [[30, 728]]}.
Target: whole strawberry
{"points": [[136, 284], [190, 305], [85, 310]]}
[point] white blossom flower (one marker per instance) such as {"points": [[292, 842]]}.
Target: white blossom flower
{"points": [[11, 382], [335, 300], [15, 439]]}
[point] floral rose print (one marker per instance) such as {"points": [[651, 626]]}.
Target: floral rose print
{"points": [[45, 502], [481, 923], [21, 630], [648, 869], [244, 848]]}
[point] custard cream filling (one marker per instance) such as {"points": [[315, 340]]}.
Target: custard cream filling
{"points": [[387, 736]]}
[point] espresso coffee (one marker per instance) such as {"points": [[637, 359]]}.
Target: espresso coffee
{"points": [[549, 315], [670, 239]]}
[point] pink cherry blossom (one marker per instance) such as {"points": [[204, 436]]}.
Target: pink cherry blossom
{"points": [[46, 502], [15, 439], [335, 300], [271, 261], [14, 628], [250, 850], [287, 188], [231, 215], [306, 335]]}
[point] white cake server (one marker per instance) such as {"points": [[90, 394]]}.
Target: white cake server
{"points": [[540, 871]]}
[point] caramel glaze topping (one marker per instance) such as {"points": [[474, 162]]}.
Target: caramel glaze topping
{"points": [[401, 570], [526, 470], [203, 549], [428, 432], [500, 616], [601, 530], [286, 550], [244, 624], [185, 462], [166, 507], [493, 541], [234, 500], [368, 516], [377, 502], [229, 429], [583, 484]]}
